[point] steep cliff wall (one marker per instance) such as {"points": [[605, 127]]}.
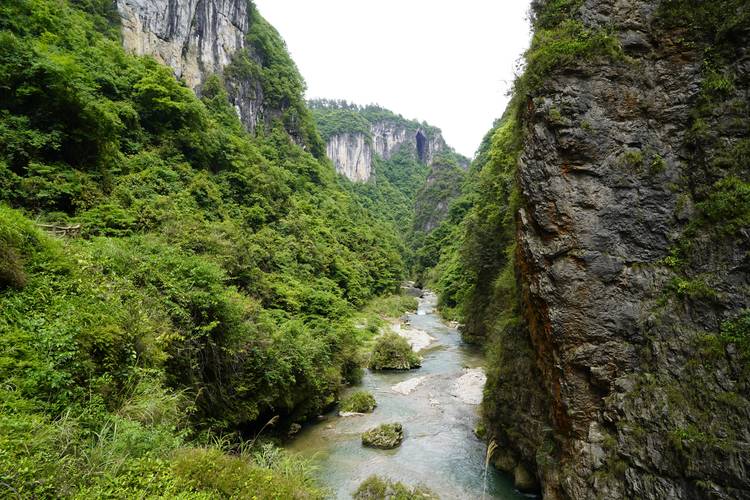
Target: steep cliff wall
{"points": [[229, 39], [195, 38], [383, 132], [351, 155], [627, 289], [606, 254], [388, 137]]}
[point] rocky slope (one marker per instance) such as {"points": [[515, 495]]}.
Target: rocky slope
{"points": [[194, 38], [607, 254]]}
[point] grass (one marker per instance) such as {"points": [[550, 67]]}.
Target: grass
{"points": [[378, 488]]}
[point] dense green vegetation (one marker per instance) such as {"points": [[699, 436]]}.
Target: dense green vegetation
{"points": [[359, 402], [339, 116], [405, 192], [377, 488], [213, 289]]}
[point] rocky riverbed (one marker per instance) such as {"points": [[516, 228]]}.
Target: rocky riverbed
{"points": [[438, 408]]}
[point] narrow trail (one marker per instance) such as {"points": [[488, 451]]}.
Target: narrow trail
{"points": [[438, 412]]}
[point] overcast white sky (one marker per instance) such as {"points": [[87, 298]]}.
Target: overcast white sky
{"points": [[449, 63]]}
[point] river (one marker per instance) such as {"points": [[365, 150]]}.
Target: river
{"points": [[439, 449]]}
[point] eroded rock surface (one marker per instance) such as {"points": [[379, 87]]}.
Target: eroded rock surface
{"points": [[639, 396]]}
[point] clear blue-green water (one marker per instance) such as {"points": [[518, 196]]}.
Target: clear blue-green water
{"points": [[439, 449]]}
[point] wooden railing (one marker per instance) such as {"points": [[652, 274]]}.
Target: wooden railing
{"points": [[74, 230]]}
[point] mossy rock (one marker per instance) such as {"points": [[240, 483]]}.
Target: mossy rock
{"points": [[359, 402], [385, 436], [393, 352], [378, 488]]}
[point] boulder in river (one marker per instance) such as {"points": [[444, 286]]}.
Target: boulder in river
{"points": [[392, 352], [384, 436], [469, 386]]}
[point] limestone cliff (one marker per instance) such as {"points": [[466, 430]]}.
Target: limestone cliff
{"points": [[229, 39], [194, 37], [354, 134], [351, 155], [632, 240], [388, 137]]}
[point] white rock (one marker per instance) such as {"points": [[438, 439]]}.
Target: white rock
{"points": [[418, 339], [351, 155], [469, 386], [408, 386]]}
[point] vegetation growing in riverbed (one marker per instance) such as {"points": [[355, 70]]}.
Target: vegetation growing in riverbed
{"points": [[359, 402], [378, 488], [393, 352], [385, 436]]}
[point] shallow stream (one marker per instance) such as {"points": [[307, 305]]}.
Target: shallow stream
{"points": [[439, 449]]}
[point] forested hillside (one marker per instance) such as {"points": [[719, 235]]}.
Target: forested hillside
{"points": [[202, 280], [414, 174]]}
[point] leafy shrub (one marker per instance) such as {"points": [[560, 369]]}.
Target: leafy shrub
{"points": [[393, 352], [378, 488], [727, 207], [392, 306], [384, 436], [359, 402], [214, 473]]}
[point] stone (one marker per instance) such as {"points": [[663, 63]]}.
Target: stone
{"points": [[611, 365], [294, 429]]}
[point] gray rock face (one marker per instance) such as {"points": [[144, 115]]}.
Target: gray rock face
{"points": [[639, 404], [196, 38], [351, 153], [389, 137]]}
